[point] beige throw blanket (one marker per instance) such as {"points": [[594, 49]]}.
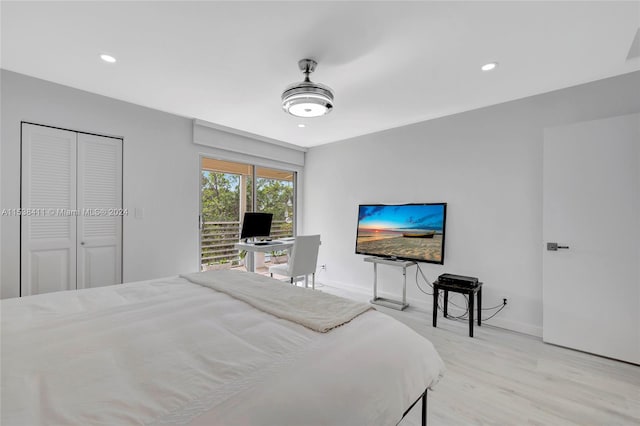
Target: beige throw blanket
{"points": [[312, 309]]}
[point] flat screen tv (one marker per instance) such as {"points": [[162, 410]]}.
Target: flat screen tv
{"points": [[404, 231], [256, 224]]}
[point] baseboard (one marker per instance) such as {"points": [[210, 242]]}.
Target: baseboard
{"points": [[345, 286], [425, 305]]}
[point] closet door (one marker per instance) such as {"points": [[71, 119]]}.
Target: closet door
{"points": [[48, 198], [99, 201]]}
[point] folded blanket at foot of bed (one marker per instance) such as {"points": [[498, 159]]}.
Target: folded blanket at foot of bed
{"points": [[313, 309]]}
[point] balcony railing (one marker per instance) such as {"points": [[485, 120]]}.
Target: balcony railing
{"points": [[218, 240]]}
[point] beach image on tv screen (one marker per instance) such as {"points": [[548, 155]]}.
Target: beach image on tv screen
{"points": [[413, 231]]}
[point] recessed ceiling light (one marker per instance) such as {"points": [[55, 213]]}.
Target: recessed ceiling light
{"points": [[490, 66], [107, 58], [301, 125]]}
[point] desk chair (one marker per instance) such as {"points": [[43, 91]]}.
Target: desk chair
{"points": [[302, 260]]}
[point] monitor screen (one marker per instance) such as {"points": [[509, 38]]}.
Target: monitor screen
{"points": [[256, 225], [406, 231]]}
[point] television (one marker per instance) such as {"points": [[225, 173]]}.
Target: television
{"points": [[256, 224], [402, 231]]}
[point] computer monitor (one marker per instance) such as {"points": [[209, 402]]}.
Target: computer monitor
{"points": [[256, 225]]}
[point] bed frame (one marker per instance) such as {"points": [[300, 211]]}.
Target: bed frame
{"points": [[422, 397]]}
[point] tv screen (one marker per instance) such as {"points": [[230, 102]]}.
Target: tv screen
{"points": [[407, 231], [256, 225]]}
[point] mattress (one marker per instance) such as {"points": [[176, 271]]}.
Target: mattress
{"points": [[168, 351]]}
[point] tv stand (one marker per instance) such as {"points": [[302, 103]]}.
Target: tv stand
{"points": [[390, 303]]}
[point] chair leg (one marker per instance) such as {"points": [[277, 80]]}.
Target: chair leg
{"points": [[271, 273], [291, 280], [313, 281]]}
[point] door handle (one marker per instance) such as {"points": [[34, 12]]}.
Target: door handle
{"points": [[555, 247]]}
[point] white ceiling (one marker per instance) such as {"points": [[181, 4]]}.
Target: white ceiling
{"points": [[390, 64]]}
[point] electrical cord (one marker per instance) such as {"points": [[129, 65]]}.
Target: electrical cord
{"points": [[424, 277], [496, 312], [466, 310], [427, 281], [460, 307], [502, 305], [440, 298], [465, 315]]}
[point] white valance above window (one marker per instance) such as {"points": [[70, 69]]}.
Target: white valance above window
{"points": [[228, 139]]}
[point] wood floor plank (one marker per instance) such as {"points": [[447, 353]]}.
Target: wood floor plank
{"points": [[501, 377]]}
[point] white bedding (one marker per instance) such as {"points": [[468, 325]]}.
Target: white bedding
{"points": [[315, 310], [171, 352]]}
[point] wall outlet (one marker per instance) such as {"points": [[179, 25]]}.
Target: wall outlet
{"points": [[323, 267]]}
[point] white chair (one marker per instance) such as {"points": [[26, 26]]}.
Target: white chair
{"points": [[303, 258]]}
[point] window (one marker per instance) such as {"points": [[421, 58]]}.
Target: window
{"points": [[275, 194], [228, 190]]}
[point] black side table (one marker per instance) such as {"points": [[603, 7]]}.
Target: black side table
{"points": [[469, 291]]}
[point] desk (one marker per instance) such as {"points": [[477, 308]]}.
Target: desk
{"points": [[469, 291], [251, 248]]}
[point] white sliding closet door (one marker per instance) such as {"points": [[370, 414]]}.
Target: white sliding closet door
{"points": [[99, 221], [48, 237]]}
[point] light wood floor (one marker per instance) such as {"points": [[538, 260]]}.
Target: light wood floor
{"points": [[505, 378]]}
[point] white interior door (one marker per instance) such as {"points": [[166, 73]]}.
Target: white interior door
{"points": [[48, 194], [99, 204], [591, 291]]}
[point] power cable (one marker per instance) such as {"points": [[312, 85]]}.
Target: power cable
{"points": [[465, 315]]}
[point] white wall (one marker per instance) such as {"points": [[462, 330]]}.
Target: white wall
{"points": [[160, 174], [486, 164]]}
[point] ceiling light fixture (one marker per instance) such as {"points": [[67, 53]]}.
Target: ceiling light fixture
{"points": [[307, 99], [490, 66], [107, 58], [301, 125]]}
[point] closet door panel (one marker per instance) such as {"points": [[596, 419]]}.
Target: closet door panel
{"points": [[50, 271], [48, 201], [99, 200]]}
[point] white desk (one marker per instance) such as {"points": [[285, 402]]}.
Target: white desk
{"points": [[252, 248]]}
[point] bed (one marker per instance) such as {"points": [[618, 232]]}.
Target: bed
{"points": [[170, 351]]}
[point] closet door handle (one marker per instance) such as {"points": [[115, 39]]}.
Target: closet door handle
{"points": [[81, 243]]}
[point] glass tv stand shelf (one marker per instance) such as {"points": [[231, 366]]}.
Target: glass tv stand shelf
{"points": [[382, 301]]}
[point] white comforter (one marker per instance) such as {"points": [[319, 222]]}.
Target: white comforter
{"points": [[171, 352]]}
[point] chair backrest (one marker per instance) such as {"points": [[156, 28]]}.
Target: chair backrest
{"points": [[304, 255]]}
